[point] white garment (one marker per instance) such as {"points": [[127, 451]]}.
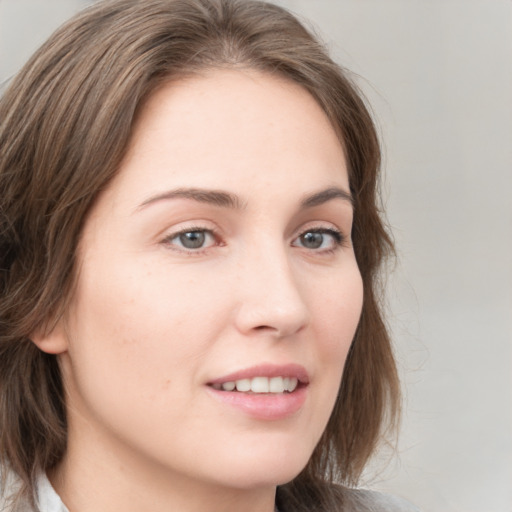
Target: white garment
{"points": [[47, 499]]}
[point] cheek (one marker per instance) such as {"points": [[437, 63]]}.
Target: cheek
{"points": [[337, 311], [137, 344], [139, 326]]}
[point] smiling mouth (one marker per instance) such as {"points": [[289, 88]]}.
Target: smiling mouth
{"points": [[277, 385]]}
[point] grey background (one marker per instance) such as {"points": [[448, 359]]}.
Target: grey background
{"points": [[439, 76]]}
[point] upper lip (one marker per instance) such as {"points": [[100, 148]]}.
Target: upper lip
{"points": [[266, 370]]}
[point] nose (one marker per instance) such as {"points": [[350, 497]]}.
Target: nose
{"points": [[271, 301]]}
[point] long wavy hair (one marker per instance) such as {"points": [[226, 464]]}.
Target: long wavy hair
{"points": [[65, 124]]}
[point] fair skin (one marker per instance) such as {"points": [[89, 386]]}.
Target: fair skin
{"points": [[220, 252]]}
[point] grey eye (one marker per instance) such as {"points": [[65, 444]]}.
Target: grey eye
{"points": [[322, 238], [312, 240], [192, 239]]}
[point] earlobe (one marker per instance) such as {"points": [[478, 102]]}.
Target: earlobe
{"points": [[51, 339]]}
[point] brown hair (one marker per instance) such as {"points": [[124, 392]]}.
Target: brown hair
{"points": [[65, 123]]}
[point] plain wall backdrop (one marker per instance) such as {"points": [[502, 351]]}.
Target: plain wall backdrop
{"points": [[438, 74]]}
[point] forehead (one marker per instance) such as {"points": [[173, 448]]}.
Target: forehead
{"points": [[212, 129]]}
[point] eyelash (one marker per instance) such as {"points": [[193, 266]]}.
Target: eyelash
{"points": [[338, 239], [168, 240]]}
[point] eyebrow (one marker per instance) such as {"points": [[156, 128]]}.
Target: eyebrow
{"points": [[228, 200], [326, 195], [214, 197]]}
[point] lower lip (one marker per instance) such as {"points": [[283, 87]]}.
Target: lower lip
{"points": [[263, 406]]}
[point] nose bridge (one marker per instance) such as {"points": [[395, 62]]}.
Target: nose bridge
{"points": [[271, 298]]}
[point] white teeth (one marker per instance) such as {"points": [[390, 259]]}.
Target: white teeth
{"points": [[276, 385], [260, 385], [243, 385], [292, 384], [228, 386]]}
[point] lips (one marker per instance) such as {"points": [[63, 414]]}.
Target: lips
{"points": [[263, 379], [264, 392]]}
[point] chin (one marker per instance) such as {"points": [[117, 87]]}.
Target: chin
{"points": [[276, 467], [263, 477]]}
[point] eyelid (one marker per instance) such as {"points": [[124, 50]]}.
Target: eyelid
{"points": [[320, 226], [338, 236], [169, 237]]}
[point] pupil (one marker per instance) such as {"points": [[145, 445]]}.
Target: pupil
{"points": [[192, 239], [312, 240]]}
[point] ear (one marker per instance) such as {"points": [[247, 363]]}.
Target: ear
{"points": [[51, 339]]}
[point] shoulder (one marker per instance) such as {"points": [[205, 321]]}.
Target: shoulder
{"points": [[360, 500]]}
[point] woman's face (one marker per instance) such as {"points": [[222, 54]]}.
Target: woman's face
{"points": [[218, 258]]}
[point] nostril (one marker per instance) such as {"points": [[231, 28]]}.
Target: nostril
{"points": [[264, 328]]}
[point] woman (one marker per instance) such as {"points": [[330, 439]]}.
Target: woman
{"points": [[190, 243]]}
